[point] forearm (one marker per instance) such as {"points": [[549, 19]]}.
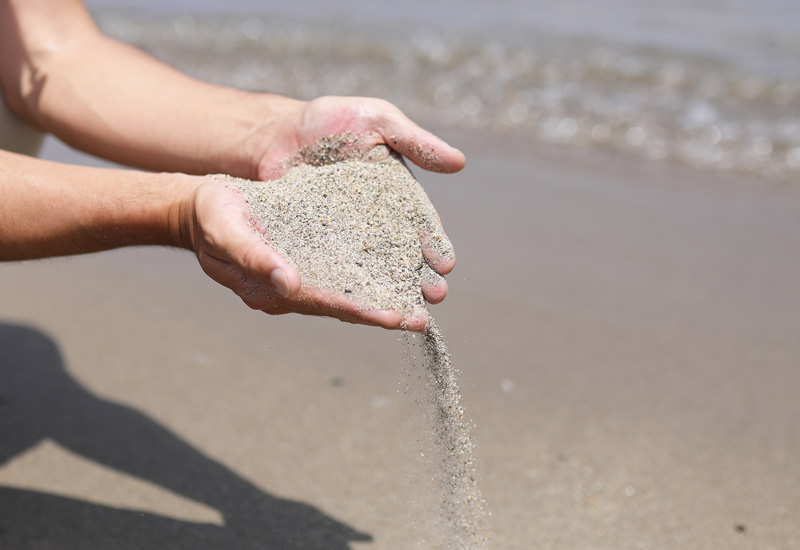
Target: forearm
{"points": [[51, 209], [114, 101]]}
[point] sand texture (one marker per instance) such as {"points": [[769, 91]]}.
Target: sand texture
{"points": [[626, 332], [463, 508], [350, 225]]}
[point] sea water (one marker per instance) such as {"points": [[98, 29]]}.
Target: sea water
{"points": [[714, 84]]}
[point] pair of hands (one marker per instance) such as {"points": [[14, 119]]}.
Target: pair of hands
{"points": [[214, 218]]}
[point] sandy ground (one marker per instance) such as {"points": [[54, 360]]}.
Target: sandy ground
{"points": [[628, 339]]}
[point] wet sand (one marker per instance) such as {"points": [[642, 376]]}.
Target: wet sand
{"points": [[626, 332]]}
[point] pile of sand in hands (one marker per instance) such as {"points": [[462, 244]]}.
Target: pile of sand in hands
{"points": [[352, 223]]}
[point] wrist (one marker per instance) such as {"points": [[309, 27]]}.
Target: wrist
{"points": [[180, 209], [273, 134]]}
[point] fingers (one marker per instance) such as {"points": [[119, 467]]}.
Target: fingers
{"points": [[317, 302], [420, 146], [438, 251], [427, 151], [309, 301], [249, 290], [434, 286], [436, 247], [417, 322], [386, 318], [326, 116], [229, 238], [235, 256], [313, 301]]}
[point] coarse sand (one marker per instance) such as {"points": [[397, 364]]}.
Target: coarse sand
{"points": [[463, 508], [353, 223]]}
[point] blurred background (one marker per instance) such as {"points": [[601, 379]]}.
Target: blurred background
{"points": [[713, 84], [625, 309]]}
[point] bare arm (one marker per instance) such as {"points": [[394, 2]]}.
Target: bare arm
{"points": [[114, 101], [51, 209], [61, 74]]}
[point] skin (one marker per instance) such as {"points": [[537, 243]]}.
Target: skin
{"points": [[60, 74]]}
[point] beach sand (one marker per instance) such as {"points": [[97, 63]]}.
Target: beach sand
{"points": [[627, 333]]}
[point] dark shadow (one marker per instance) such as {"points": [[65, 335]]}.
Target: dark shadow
{"points": [[39, 399]]}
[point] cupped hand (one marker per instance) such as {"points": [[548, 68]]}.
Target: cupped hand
{"points": [[216, 223], [230, 251], [373, 121]]}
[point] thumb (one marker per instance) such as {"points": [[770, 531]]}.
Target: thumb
{"points": [[420, 146]]}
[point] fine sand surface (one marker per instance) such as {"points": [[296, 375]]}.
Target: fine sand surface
{"points": [[627, 334]]}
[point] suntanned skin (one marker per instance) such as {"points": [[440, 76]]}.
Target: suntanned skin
{"points": [[59, 73]]}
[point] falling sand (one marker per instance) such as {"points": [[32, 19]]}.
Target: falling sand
{"points": [[352, 223], [463, 507]]}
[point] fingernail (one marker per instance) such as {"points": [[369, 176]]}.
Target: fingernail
{"points": [[280, 282]]}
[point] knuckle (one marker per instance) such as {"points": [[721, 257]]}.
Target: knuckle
{"points": [[251, 258]]}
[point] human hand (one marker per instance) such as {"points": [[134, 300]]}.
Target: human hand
{"points": [[373, 121], [216, 224]]}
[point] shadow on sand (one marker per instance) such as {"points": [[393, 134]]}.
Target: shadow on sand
{"points": [[39, 399]]}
